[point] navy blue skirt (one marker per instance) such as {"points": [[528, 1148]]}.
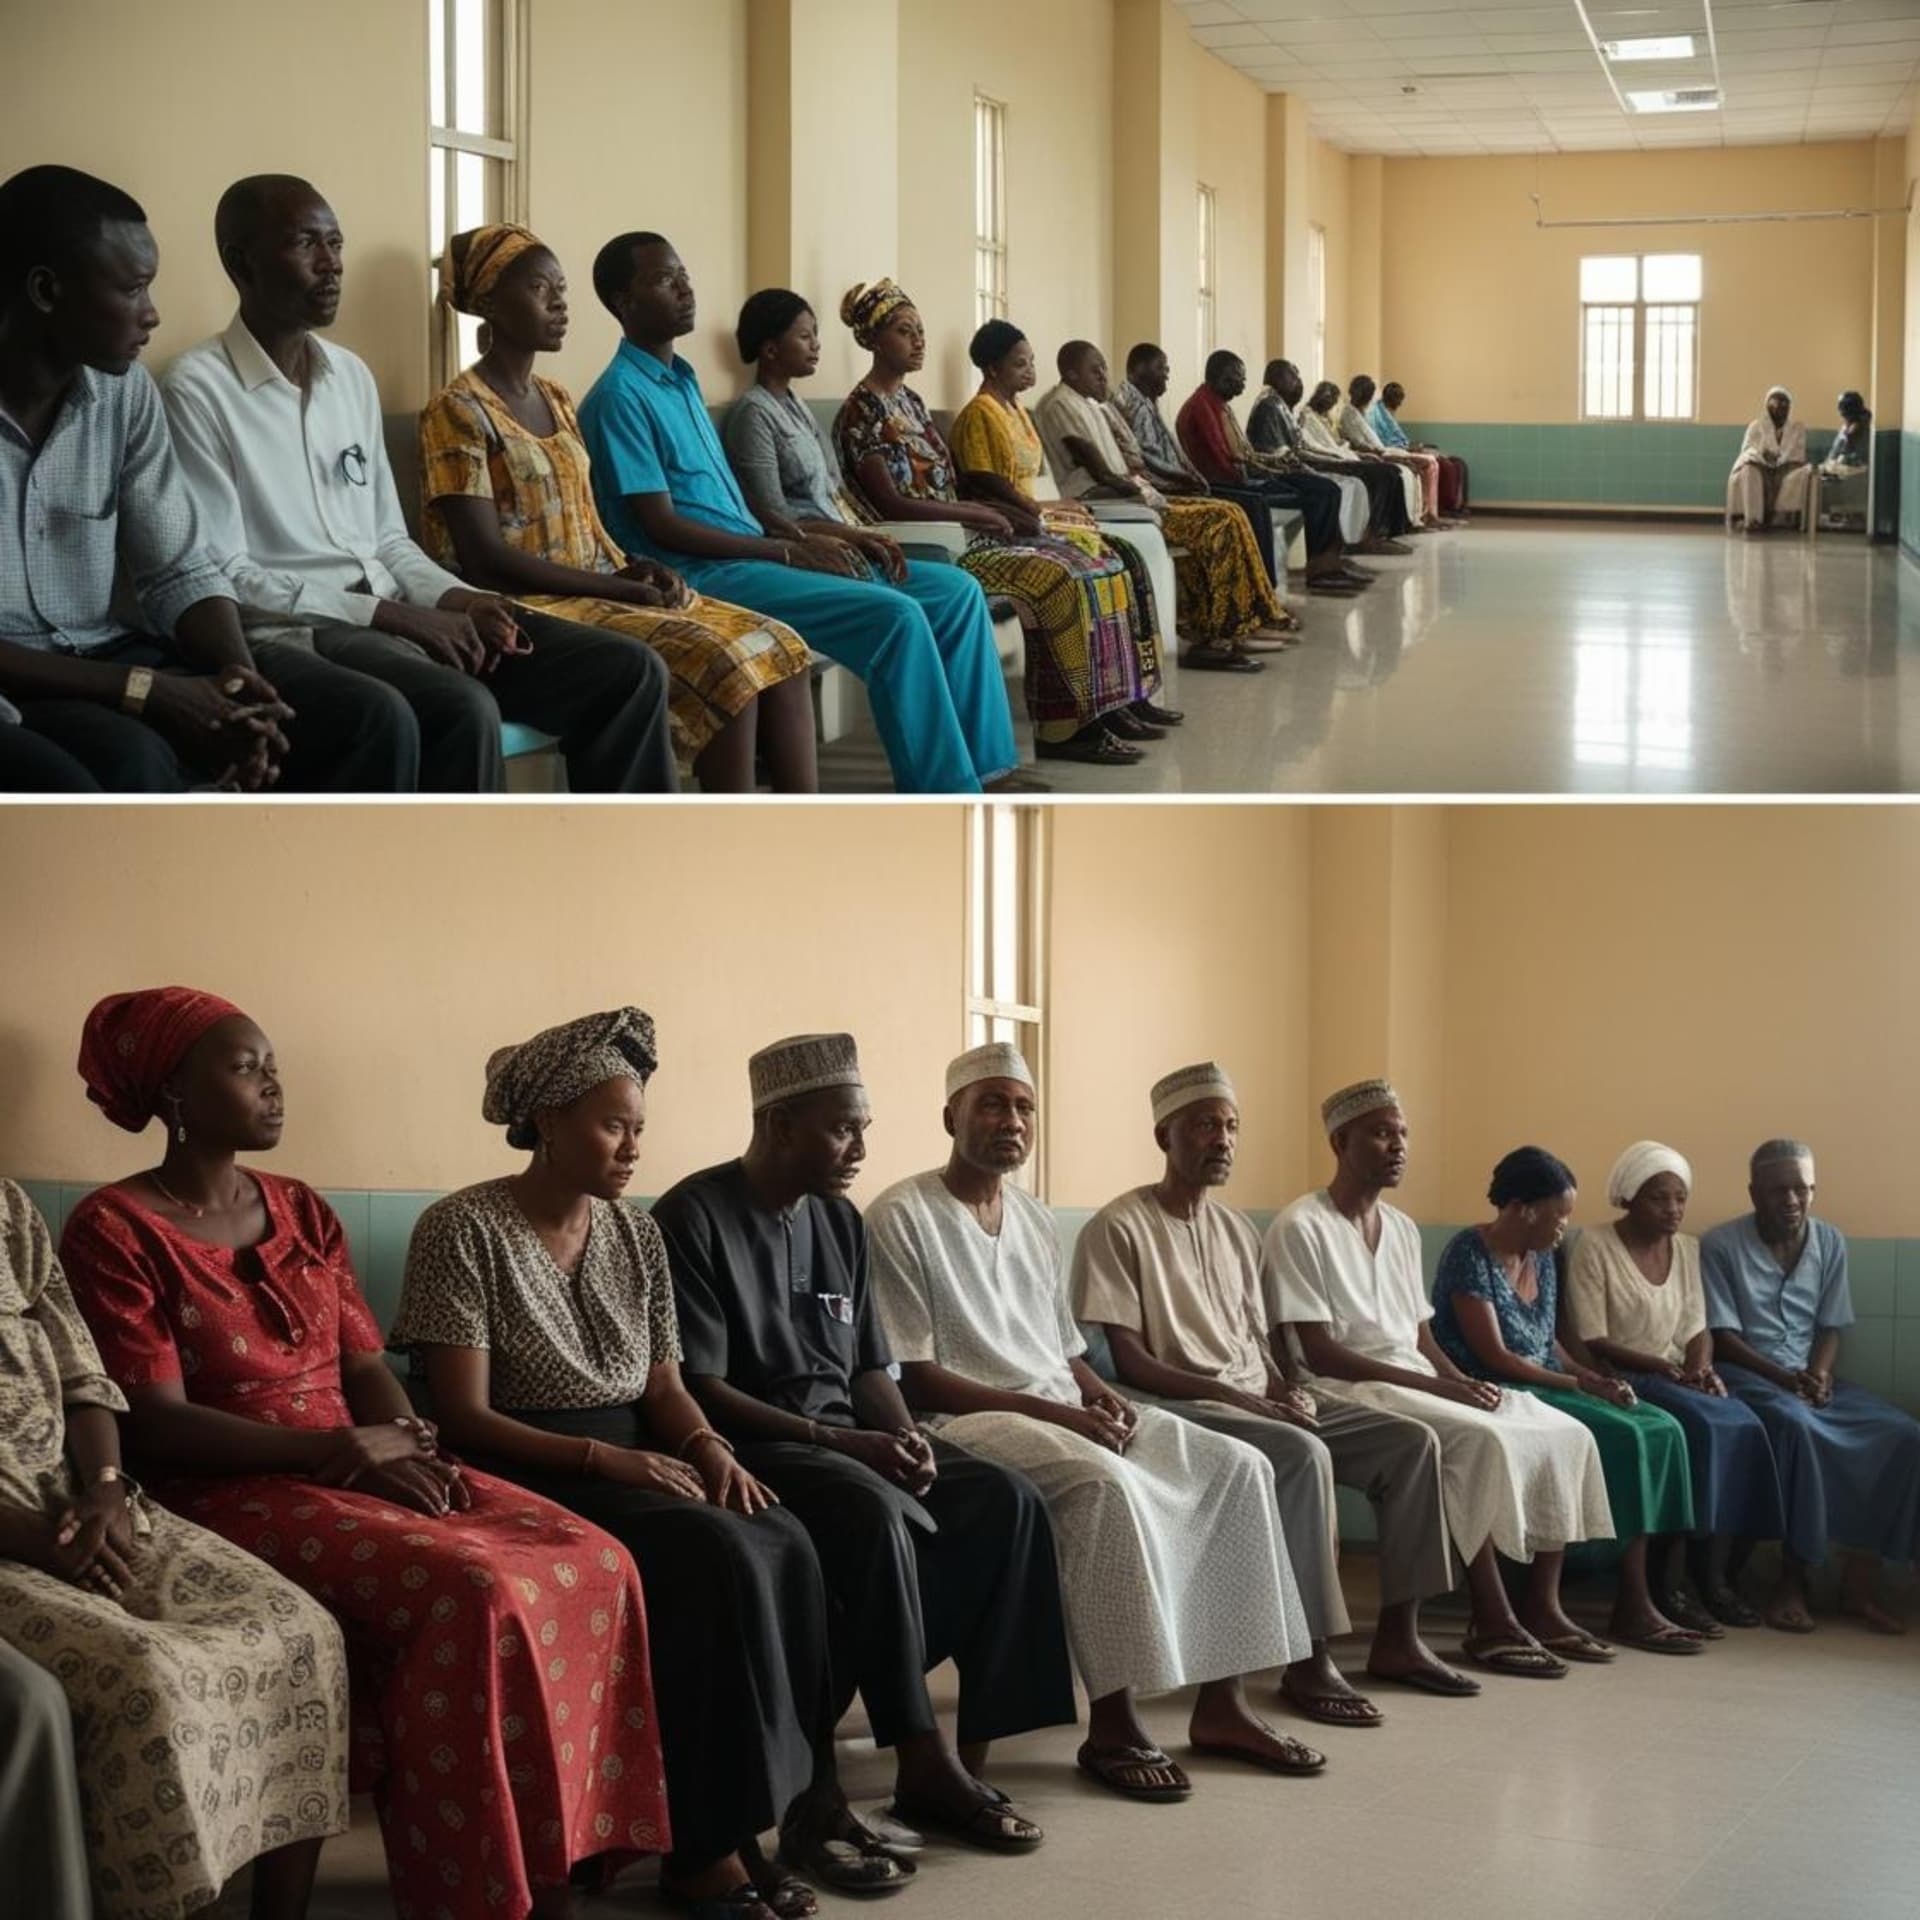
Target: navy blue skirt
{"points": [[1736, 1486]]}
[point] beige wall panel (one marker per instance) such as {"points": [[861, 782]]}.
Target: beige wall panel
{"points": [[1482, 308], [176, 111], [1230, 121], [388, 951], [1328, 207], [1178, 934]]}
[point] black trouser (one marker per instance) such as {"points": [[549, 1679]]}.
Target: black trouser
{"points": [[1259, 511], [1386, 497], [31, 764], [979, 1587], [1312, 495], [737, 1625], [603, 696], [348, 734]]}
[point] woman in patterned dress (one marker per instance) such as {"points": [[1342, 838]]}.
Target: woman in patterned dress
{"points": [[209, 1696], [1076, 605], [499, 1645], [542, 1312], [507, 504]]}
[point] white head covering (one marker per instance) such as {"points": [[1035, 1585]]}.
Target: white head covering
{"points": [[1188, 1085], [808, 1063], [1638, 1165], [1364, 1096], [997, 1060]]}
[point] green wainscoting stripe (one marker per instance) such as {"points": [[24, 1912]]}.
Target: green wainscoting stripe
{"points": [[1910, 493], [1665, 465]]}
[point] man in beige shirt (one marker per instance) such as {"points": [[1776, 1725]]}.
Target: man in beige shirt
{"points": [[1174, 1279]]}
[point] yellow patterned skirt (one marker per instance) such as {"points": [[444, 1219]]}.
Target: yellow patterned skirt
{"points": [[721, 658], [1224, 590]]}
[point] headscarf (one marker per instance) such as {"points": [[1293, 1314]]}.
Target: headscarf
{"points": [[1782, 392], [132, 1041], [1187, 1086], [997, 1060], [476, 259], [866, 309], [1638, 1165], [556, 1067]]}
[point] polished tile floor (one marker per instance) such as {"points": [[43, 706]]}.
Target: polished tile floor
{"points": [[1770, 1779], [1521, 656]]}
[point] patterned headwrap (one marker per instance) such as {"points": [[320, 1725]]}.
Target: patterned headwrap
{"points": [[997, 1060], [556, 1067], [1189, 1085], [476, 259], [867, 309], [1364, 1096], [1638, 1165], [133, 1041], [808, 1063]]}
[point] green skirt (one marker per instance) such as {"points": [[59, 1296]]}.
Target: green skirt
{"points": [[1643, 1454]]}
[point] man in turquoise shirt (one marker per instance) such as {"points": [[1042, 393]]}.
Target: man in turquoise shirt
{"points": [[922, 641]]}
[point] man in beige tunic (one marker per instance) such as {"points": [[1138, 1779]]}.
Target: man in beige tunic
{"points": [[1174, 1277]]}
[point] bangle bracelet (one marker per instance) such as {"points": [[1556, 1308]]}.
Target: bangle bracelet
{"points": [[590, 1460], [703, 1433]]}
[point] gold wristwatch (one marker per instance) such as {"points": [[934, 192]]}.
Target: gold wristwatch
{"points": [[133, 696]]}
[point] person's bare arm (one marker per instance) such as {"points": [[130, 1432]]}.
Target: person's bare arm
{"points": [[488, 560], [1142, 1370], [1733, 1348]]}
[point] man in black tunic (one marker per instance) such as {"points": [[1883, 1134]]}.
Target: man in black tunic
{"points": [[929, 1554]]}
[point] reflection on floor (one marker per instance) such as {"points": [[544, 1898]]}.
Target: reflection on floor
{"points": [[1768, 1779], [1544, 657]]}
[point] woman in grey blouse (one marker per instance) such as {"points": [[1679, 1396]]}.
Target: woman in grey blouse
{"points": [[541, 1310]]}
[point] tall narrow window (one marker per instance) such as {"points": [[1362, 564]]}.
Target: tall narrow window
{"points": [[989, 210], [1209, 273], [1640, 336], [475, 110], [1317, 300], [1006, 961]]}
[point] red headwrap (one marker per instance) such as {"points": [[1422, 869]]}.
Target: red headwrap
{"points": [[132, 1041]]}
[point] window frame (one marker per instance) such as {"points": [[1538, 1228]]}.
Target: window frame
{"points": [[991, 299], [1641, 370], [1317, 298], [1207, 303], [1023, 891], [502, 154]]}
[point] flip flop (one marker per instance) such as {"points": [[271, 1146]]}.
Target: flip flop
{"points": [[1295, 1757], [1794, 1619], [1335, 1709], [1448, 1684], [1112, 1766], [1674, 1639], [790, 1898], [1580, 1646], [984, 1826], [858, 1863], [1523, 1659]]}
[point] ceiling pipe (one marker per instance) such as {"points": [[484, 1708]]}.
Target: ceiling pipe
{"points": [[1541, 221]]}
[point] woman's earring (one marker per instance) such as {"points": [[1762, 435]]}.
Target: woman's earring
{"points": [[546, 1151], [179, 1126]]}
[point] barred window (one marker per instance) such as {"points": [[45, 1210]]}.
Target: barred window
{"points": [[989, 210], [1209, 272], [1006, 960], [1640, 336]]}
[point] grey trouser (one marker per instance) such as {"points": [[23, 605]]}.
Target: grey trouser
{"points": [[43, 1860], [1393, 1460]]}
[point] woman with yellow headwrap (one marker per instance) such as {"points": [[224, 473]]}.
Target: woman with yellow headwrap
{"points": [[509, 505]]}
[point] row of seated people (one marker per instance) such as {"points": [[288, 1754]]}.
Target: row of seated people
{"points": [[1774, 483], [694, 1477], [212, 583]]}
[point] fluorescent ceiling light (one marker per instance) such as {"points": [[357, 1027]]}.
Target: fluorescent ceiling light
{"points": [[1676, 46], [1668, 100]]}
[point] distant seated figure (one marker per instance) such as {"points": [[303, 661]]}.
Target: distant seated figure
{"points": [[1771, 481], [1383, 418], [1852, 444], [1419, 472]]}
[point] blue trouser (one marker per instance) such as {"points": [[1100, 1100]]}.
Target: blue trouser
{"points": [[925, 650]]}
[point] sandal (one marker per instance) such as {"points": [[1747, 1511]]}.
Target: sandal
{"points": [[1333, 1709], [744, 1902], [1127, 1771], [1728, 1608], [1580, 1646], [990, 1823], [790, 1898], [1219, 660], [855, 1860], [1441, 1680], [1685, 1611], [1524, 1659], [1102, 750], [1294, 1757], [1669, 1639]]}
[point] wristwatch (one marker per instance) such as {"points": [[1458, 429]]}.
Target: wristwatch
{"points": [[133, 696]]}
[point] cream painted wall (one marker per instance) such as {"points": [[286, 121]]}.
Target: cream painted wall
{"points": [[1230, 116], [1911, 403], [1053, 67], [1329, 208], [638, 122], [1482, 309], [1158, 960], [121, 89], [387, 951], [1707, 976]]}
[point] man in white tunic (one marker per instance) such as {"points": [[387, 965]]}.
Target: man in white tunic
{"points": [[1172, 1563], [1174, 1278], [1344, 1287]]}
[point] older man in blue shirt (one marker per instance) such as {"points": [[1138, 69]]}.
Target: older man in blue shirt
{"points": [[1777, 1301], [664, 489]]}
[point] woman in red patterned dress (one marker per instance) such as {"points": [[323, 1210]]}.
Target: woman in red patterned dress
{"points": [[499, 1643]]}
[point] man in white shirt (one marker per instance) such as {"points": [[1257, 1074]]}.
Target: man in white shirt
{"points": [[282, 444], [1419, 472]]}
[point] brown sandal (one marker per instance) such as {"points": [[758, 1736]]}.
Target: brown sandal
{"points": [[1128, 1770]]}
